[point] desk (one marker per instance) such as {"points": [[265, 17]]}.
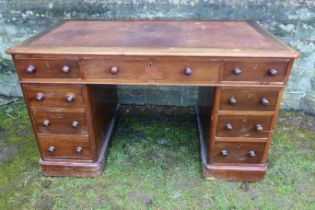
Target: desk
{"points": [[70, 72]]}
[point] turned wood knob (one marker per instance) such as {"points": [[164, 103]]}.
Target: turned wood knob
{"points": [[188, 71], [30, 69], [79, 150], [66, 69], [51, 149], [264, 101], [251, 153], [40, 97], [224, 153], [46, 123], [75, 124], [69, 98], [259, 127], [272, 72], [237, 71], [232, 100], [114, 70], [228, 127]]}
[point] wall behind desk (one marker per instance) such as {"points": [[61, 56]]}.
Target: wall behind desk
{"points": [[291, 20]]}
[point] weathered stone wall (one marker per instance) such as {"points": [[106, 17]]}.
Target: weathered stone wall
{"points": [[292, 20]]}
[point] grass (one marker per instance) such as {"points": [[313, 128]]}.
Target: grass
{"points": [[154, 163]]}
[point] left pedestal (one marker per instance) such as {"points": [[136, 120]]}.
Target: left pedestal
{"points": [[73, 125]]}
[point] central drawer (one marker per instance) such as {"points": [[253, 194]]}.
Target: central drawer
{"points": [[161, 71], [51, 122]]}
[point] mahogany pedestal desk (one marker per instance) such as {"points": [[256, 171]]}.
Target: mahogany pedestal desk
{"points": [[69, 75]]}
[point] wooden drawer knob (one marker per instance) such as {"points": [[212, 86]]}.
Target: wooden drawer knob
{"points": [[30, 69], [272, 72], [264, 101], [237, 71], [232, 100], [228, 127], [79, 150], [46, 123], [66, 69], [224, 153], [40, 97], [251, 153], [69, 98], [75, 124], [51, 149], [114, 70], [188, 71], [259, 127]]}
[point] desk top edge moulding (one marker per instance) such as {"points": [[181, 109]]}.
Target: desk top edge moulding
{"points": [[70, 72]]}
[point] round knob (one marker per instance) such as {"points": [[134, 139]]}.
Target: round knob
{"points": [[114, 70], [40, 97], [232, 100], [264, 101], [46, 123], [79, 150], [51, 149], [259, 127], [30, 69], [251, 153], [228, 127], [75, 124], [272, 72], [188, 71], [66, 69], [69, 98], [237, 71], [224, 153]]}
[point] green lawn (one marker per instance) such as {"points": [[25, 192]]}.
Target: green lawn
{"points": [[154, 163]]}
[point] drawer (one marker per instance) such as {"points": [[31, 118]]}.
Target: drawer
{"points": [[55, 96], [255, 71], [248, 99], [49, 122], [251, 126], [128, 71], [238, 152], [66, 147], [47, 68]]}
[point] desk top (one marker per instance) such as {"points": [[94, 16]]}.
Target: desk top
{"points": [[189, 38]]}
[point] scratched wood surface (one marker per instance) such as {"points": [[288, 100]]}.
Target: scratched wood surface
{"points": [[237, 38]]}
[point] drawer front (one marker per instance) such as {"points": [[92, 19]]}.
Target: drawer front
{"points": [[248, 99], [55, 147], [55, 96], [48, 68], [255, 71], [238, 152], [156, 71], [59, 122], [243, 126], [188, 71]]}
